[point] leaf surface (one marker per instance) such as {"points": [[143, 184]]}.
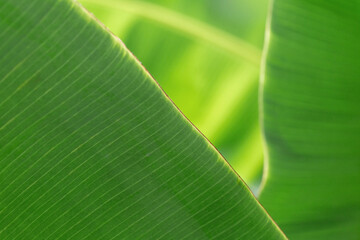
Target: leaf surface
{"points": [[91, 148], [311, 119], [211, 50]]}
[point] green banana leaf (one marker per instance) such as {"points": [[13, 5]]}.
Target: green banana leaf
{"points": [[91, 148], [311, 117], [207, 60]]}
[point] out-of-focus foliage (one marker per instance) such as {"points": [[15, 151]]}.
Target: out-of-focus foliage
{"points": [[311, 116], [206, 56]]}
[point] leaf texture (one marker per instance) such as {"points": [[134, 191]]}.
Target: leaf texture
{"points": [[212, 52], [311, 118], [91, 148]]}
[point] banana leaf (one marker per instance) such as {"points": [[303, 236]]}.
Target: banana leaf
{"points": [[92, 148], [211, 50], [311, 118]]}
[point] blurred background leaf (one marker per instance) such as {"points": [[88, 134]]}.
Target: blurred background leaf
{"points": [[311, 119], [206, 56]]}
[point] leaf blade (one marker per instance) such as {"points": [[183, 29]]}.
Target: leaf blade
{"points": [[91, 147], [310, 119]]}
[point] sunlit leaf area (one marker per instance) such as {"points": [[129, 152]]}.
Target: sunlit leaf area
{"points": [[206, 56], [180, 119]]}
